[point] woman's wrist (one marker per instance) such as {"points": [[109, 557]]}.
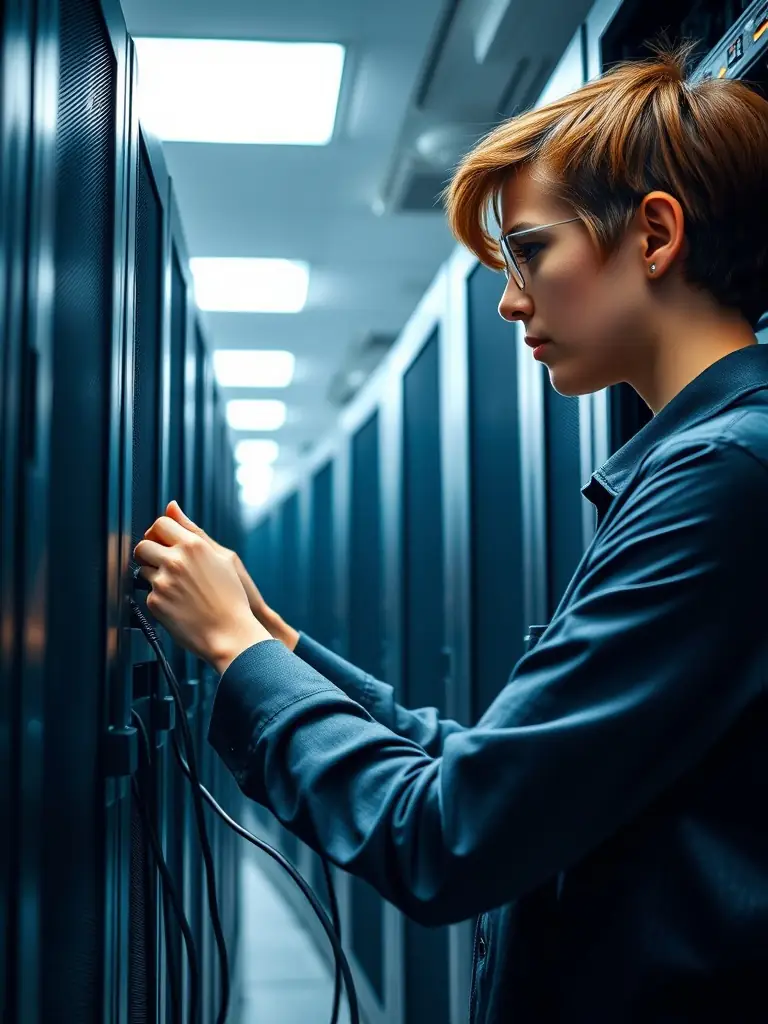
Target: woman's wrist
{"points": [[230, 647]]}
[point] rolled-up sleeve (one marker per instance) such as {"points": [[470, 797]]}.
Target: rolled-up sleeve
{"points": [[422, 725], [659, 648]]}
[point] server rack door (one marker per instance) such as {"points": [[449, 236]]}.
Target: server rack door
{"points": [[26, 197], [498, 612], [213, 426], [209, 404], [194, 497], [194, 872], [145, 999], [321, 602], [176, 796], [366, 649], [177, 375], [258, 555], [12, 259], [322, 564], [87, 353], [198, 467], [426, 949], [289, 570]]}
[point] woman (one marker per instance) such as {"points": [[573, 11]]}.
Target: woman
{"points": [[606, 816]]}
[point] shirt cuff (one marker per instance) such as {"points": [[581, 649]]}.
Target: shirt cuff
{"points": [[356, 683], [260, 683]]}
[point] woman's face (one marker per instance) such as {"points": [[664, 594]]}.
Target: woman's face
{"points": [[590, 314]]}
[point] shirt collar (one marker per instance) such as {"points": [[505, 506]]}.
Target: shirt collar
{"points": [[720, 385]]}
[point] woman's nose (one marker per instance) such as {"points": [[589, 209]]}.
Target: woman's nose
{"points": [[515, 304]]}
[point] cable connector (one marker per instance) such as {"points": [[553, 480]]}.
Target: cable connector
{"points": [[139, 582]]}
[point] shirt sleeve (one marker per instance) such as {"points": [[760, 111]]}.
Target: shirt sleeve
{"points": [[660, 648], [424, 725]]}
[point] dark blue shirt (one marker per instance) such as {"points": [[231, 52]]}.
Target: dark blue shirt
{"points": [[607, 817]]}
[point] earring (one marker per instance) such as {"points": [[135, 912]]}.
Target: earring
{"points": [[652, 267]]}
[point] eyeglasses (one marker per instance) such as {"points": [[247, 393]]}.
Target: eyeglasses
{"points": [[511, 266]]}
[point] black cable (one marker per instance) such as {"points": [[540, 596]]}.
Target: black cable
{"points": [[316, 906], [173, 971], [199, 809], [336, 918], [332, 930], [173, 974], [169, 887]]}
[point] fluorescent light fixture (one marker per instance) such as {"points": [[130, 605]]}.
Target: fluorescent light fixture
{"points": [[239, 368], [247, 414], [238, 91], [258, 450], [231, 285], [256, 485], [253, 475]]}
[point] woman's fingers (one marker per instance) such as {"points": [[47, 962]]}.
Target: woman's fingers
{"points": [[148, 573], [150, 553], [167, 531]]}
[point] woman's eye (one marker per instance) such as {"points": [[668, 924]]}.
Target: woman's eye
{"points": [[525, 253]]}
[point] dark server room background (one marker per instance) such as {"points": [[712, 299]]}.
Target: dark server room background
{"points": [[424, 463]]}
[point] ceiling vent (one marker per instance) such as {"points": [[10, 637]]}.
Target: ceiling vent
{"points": [[489, 60]]}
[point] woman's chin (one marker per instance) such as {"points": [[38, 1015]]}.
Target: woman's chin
{"points": [[571, 380], [567, 381]]}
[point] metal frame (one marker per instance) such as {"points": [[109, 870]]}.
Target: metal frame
{"points": [[116, 851], [430, 314], [160, 180]]}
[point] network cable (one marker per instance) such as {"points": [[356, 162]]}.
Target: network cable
{"points": [[170, 893], [200, 792], [197, 802]]}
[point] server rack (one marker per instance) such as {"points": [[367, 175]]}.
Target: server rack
{"points": [[146, 936], [318, 553], [83, 903], [89, 402], [366, 648], [181, 450], [28, 105], [292, 601]]}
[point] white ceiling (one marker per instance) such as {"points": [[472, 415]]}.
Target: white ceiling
{"points": [[361, 211], [367, 272]]}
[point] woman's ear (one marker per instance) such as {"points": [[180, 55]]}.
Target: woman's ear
{"points": [[662, 222]]}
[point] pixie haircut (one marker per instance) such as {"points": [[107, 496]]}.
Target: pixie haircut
{"points": [[642, 126]]}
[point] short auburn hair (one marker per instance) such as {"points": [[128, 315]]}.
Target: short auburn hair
{"points": [[641, 126]]}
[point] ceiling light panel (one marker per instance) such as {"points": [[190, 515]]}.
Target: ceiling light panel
{"points": [[242, 368], [257, 414], [256, 450], [237, 91], [232, 285], [255, 485]]}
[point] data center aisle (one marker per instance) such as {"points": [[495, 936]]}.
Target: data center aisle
{"points": [[281, 976]]}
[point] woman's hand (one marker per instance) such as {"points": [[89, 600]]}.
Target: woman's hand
{"points": [[269, 618], [197, 594]]}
